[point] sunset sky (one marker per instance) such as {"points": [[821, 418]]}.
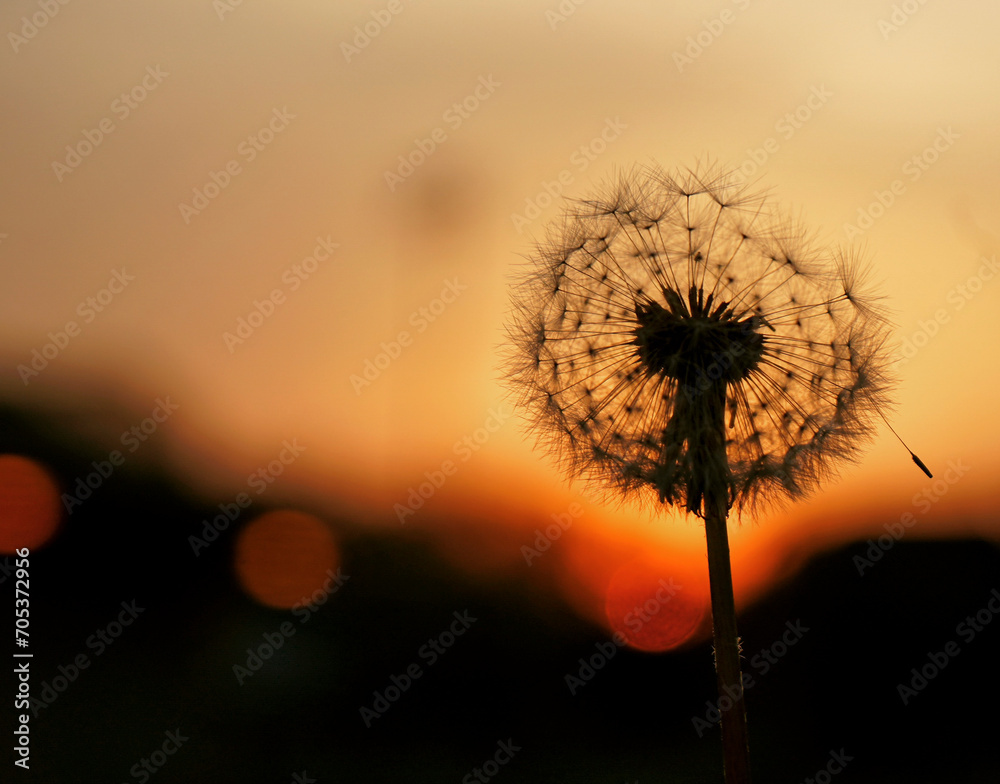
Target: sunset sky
{"points": [[246, 208]]}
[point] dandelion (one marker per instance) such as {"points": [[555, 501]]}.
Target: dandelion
{"points": [[678, 342]]}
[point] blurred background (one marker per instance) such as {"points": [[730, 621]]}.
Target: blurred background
{"points": [[255, 261]]}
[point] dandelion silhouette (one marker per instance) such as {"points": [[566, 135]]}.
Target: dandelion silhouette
{"points": [[679, 342]]}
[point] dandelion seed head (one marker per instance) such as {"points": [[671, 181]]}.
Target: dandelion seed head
{"points": [[672, 296]]}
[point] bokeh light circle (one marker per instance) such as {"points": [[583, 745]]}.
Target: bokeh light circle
{"points": [[29, 504], [287, 558], [653, 608]]}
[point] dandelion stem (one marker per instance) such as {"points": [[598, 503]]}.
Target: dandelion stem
{"points": [[735, 744], [735, 747]]}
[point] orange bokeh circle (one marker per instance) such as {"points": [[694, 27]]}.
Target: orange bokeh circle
{"points": [[287, 558], [652, 608], [29, 504]]}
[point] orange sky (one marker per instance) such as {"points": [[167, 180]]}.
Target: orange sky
{"points": [[218, 155]]}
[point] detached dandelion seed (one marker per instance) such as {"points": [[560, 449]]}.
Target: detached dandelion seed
{"points": [[678, 342]]}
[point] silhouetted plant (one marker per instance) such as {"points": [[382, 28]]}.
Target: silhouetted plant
{"points": [[678, 341]]}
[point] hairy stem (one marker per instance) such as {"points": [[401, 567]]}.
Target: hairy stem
{"points": [[714, 469], [735, 745]]}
